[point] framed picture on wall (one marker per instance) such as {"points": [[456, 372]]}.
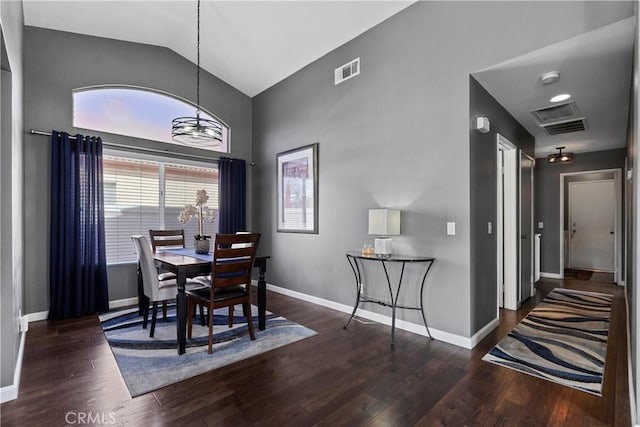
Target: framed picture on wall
{"points": [[297, 188]]}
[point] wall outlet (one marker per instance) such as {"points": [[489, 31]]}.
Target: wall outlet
{"points": [[489, 228], [451, 228], [540, 225]]}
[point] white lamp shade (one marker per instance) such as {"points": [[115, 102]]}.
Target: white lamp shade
{"points": [[384, 222]]}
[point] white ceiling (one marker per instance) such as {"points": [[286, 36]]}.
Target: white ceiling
{"points": [[595, 68], [251, 45]]}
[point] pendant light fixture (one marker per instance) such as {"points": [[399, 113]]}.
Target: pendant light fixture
{"points": [[197, 131], [560, 158]]}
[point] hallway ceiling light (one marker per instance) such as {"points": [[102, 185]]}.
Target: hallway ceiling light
{"points": [[561, 97], [197, 131], [550, 77], [560, 158]]}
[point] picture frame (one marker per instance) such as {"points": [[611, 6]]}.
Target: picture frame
{"points": [[297, 190]]}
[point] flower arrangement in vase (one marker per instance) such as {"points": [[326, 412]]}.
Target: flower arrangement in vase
{"points": [[202, 213]]}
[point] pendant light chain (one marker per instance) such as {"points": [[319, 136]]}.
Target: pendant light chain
{"points": [[196, 131], [198, 60]]}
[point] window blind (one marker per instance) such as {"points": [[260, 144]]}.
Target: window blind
{"points": [[131, 200], [182, 182], [140, 195]]}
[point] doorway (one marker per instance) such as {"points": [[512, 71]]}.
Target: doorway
{"points": [[507, 224], [591, 218]]}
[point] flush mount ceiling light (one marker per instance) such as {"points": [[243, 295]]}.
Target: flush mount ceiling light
{"points": [[560, 158], [197, 131], [561, 97], [550, 77]]}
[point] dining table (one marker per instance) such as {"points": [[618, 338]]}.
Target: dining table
{"points": [[186, 263]]}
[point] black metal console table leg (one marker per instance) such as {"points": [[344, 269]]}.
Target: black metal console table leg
{"points": [[424, 317], [356, 274], [394, 300]]}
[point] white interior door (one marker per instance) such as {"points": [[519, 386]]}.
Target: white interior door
{"points": [[507, 224], [592, 212], [526, 227]]}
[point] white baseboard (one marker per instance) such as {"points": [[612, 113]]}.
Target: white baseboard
{"points": [[43, 315], [10, 392], [447, 337], [35, 317], [551, 275], [123, 302], [478, 336]]}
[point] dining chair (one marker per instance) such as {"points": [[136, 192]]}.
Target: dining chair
{"points": [[166, 239], [154, 289], [233, 258]]}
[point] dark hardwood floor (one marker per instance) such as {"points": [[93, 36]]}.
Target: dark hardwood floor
{"points": [[337, 377]]}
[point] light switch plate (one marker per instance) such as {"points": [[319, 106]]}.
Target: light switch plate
{"points": [[451, 228], [489, 228], [540, 225]]}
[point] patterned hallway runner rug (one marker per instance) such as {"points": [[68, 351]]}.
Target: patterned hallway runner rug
{"points": [[563, 339], [147, 364]]}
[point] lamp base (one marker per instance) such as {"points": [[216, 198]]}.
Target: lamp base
{"points": [[382, 246]]}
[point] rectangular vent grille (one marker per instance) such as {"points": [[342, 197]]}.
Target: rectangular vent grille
{"points": [[566, 127], [555, 112], [347, 71]]}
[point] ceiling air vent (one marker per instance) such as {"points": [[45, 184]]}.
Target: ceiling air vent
{"points": [[555, 112], [567, 126], [347, 71]]}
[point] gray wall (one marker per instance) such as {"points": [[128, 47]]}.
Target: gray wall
{"points": [[398, 136], [483, 182], [56, 63], [633, 226], [547, 206], [11, 183]]}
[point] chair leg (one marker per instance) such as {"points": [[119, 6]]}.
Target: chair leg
{"points": [[247, 309], [145, 316], [154, 316], [164, 310], [210, 329], [230, 317], [190, 311], [202, 323]]}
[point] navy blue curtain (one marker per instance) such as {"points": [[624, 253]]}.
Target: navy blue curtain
{"points": [[233, 195], [78, 264]]}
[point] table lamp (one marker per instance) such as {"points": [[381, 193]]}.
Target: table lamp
{"points": [[384, 223]]}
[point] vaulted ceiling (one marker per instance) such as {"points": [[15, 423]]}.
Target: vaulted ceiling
{"points": [[249, 44], [253, 45]]}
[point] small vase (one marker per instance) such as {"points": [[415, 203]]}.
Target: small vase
{"points": [[202, 246]]}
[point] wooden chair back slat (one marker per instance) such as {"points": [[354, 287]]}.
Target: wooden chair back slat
{"points": [[166, 238]]}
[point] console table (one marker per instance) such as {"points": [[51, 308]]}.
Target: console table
{"points": [[356, 260]]}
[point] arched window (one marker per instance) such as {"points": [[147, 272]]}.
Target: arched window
{"points": [[136, 112]]}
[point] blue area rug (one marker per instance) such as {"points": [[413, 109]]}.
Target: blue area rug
{"points": [[563, 339], [147, 363]]}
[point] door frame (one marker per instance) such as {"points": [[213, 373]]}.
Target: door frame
{"points": [[617, 261], [507, 224], [531, 235]]}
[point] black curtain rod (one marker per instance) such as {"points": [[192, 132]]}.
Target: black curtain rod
{"points": [[149, 150]]}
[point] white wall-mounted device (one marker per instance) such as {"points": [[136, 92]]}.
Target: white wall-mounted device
{"points": [[482, 124]]}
